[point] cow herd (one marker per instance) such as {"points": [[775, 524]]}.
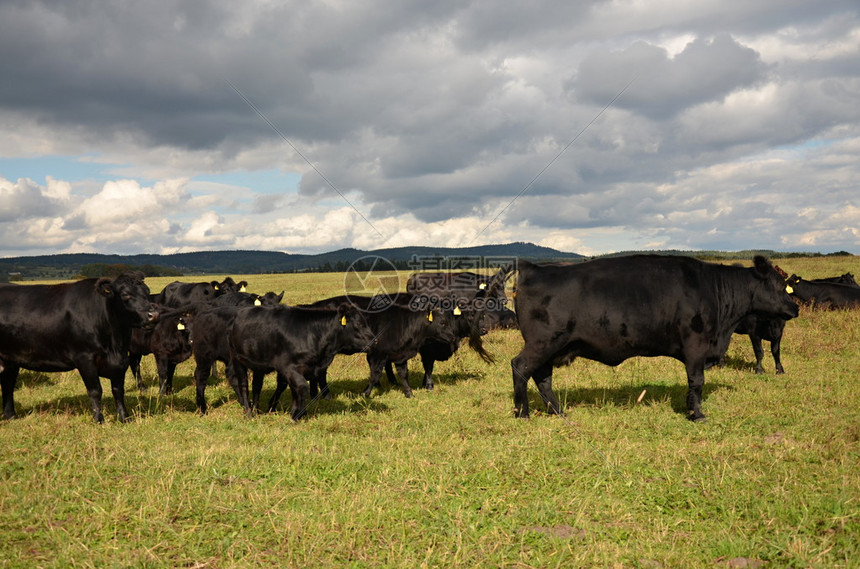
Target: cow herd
{"points": [[606, 310]]}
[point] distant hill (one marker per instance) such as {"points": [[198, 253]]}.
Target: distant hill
{"points": [[256, 262]]}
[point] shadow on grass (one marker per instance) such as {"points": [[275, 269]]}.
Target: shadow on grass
{"points": [[626, 396], [34, 378]]}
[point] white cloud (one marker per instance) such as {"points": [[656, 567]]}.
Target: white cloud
{"points": [[431, 118]]}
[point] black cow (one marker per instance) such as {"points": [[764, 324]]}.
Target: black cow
{"points": [[845, 278], [401, 328], [469, 323], [85, 325], [612, 309], [178, 294], [760, 328], [294, 342], [209, 334], [228, 285], [824, 295], [464, 286], [248, 299], [168, 341]]}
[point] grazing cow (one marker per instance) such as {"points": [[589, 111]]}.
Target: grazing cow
{"points": [[402, 328], [294, 342], [168, 341], [612, 309], [846, 279], [824, 295], [760, 328], [84, 325]]}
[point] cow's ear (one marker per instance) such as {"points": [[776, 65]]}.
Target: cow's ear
{"points": [[762, 266], [343, 310], [104, 286], [280, 297]]}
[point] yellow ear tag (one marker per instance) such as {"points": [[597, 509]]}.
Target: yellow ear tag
{"points": [[242, 289], [257, 302], [216, 287], [788, 289], [482, 286], [343, 321], [180, 326], [457, 311], [430, 316]]}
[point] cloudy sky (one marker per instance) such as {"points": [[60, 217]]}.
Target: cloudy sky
{"points": [[588, 126]]}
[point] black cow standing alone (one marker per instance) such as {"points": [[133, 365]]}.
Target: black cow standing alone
{"points": [[612, 309], [85, 325]]}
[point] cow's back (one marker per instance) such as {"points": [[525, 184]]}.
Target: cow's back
{"points": [[612, 309], [42, 327]]}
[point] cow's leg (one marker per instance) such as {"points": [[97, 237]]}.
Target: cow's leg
{"points": [[165, 374], [279, 389], [117, 387], [8, 378], [774, 350], [428, 362], [543, 379], [376, 365], [201, 377], [523, 366], [299, 388], [758, 351], [256, 388], [237, 375], [318, 382], [403, 372], [134, 364], [90, 376], [695, 383], [389, 374]]}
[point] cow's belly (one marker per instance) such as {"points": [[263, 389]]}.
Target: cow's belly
{"points": [[615, 350]]}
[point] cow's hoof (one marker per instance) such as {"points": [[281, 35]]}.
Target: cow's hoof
{"points": [[697, 417]]}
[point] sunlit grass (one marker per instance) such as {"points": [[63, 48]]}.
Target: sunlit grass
{"points": [[449, 478]]}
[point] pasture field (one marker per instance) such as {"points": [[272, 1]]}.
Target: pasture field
{"points": [[449, 478]]}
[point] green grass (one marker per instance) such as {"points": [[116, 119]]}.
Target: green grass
{"points": [[449, 478]]}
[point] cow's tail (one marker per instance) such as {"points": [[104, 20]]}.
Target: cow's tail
{"points": [[496, 285], [477, 344]]}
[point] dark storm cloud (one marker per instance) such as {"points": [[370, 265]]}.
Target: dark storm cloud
{"points": [[707, 70]]}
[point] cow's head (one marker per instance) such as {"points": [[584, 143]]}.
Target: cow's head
{"points": [[270, 298], [228, 285], [441, 324], [771, 296], [355, 333], [130, 297]]}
